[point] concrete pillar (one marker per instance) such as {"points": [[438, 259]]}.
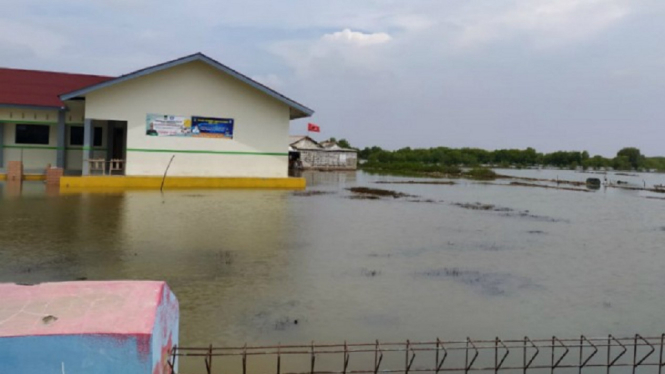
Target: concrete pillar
{"points": [[62, 140], [2, 145], [87, 145], [110, 126]]}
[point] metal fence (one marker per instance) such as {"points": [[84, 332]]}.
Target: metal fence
{"points": [[605, 354]]}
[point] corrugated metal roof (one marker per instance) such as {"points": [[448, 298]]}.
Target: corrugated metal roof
{"points": [[40, 88], [297, 110]]}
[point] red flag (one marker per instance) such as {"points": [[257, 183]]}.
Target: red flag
{"points": [[313, 128]]}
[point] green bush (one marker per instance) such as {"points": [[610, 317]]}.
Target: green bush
{"points": [[481, 173]]}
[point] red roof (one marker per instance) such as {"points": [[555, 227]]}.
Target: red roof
{"points": [[41, 88]]}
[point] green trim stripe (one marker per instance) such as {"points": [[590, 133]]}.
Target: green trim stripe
{"points": [[51, 148], [152, 150], [206, 152], [30, 147], [11, 121]]}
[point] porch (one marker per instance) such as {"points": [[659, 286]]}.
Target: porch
{"points": [[104, 149]]}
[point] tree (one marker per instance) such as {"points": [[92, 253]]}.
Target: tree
{"points": [[344, 143], [621, 163], [634, 156]]}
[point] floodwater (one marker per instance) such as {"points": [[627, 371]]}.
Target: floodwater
{"points": [[277, 266]]}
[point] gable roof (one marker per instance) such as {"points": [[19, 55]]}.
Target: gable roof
{"points": [[33, 88], [294, 139], [297, 110]]}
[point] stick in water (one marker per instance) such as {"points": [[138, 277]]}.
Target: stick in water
{"points": [[161, 189]]}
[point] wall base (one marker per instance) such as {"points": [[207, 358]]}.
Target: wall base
{"points": [[26, 177], [155, 182]]}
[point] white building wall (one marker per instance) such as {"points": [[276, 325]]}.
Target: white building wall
{"points": [[197, 89]]}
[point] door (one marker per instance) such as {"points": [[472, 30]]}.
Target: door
{"points": [[118, 151]]}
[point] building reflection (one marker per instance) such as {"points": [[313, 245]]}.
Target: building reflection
{"points": [[220, 251], [67, 237], [318, 178]]}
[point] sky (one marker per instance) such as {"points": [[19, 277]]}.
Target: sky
{"points": [[549, 74]]}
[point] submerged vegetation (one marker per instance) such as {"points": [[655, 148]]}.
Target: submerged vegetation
{"points": [[377, 192], [449, 161]]}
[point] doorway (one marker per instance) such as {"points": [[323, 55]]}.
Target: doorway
{"points": [[118, 151]]}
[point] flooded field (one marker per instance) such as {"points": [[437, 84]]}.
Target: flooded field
{"points": [[335, 262]]}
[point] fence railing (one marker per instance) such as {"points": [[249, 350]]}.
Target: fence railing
{"points": [[439, 356]]}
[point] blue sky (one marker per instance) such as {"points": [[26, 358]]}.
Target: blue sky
{"points": [[550, 74]]}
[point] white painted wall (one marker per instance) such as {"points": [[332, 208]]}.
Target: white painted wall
{"points": [[197, 89]]}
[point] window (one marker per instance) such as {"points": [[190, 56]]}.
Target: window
{"points": [[76, 136], [32, 134]]}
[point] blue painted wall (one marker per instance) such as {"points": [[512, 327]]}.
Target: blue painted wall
{"points": [[80, 354]]}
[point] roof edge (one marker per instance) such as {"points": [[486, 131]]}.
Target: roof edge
{"points": [[29, 106], [305, 111]]}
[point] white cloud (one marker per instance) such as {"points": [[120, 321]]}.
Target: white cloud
{"points": [[345, 51], [40, 41], [357, 37], [543, 22]]}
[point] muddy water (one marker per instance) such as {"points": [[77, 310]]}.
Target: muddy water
{"points": [[274, 266]]}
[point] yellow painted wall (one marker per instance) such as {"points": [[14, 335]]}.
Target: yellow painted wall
{"points": [[155, 182], [197, 89]]}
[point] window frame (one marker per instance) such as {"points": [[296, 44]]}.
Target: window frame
{"points": [[19, 126], [96, 131]]}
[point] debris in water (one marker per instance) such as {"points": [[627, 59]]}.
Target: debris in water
{"points": [[493, 284], [480, 206], [370, 273], [378, 192], [447, 183], [507, 212], [526, 214], [363, 197], [536, 232], [312, 193], [284, 323], [521, 184], [430, 201]]}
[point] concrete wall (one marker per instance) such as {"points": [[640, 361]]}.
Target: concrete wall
{"points": [[327, 159], [165, 332], [260, 130]]}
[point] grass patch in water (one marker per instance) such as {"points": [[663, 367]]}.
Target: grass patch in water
{"points": [[377, 192], [312, 193]]}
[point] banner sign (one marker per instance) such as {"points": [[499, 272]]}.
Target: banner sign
{"points": [[206, 127], [194, 127]]}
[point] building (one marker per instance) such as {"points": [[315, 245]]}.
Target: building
{"points": [[307, 153], [201, 116]]}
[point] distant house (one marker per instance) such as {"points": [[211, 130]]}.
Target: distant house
{"points": [[307, 153]]}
